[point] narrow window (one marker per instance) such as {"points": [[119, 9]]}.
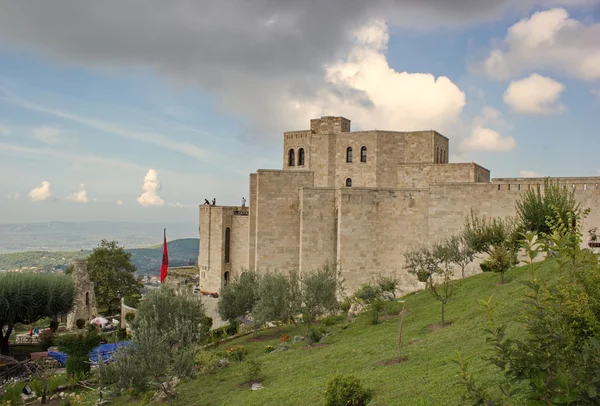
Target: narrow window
{"points": [[301, 157], [291, 158], [349, 154], [226, 277], [363, 154], [437, 155], [349, 182], [227, 243], [87, 298]]}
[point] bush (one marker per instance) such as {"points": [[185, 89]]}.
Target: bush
{"points": [[121, 333], [129, 317], [346, 391], [237, 352], [78, 365], [316, 335], [207, 362], [46, 339], [232, 328], [205, 325], [132, 300], [54, 326], [252, 370], [346, 304], [329, 320], [80, 323]]}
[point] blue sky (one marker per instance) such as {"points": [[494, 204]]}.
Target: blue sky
{"points": [[128, 116]]}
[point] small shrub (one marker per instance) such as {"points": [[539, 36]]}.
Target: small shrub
{"points": [[205, 325], [207, 362], [237, 352], [78, 365], [315, 335], [232, 328], [269, 348], [46, 339], [80, 323], [346, 391], [284, 338], [329, 320], [53, 326], [121, 333], [346, 304], [252, 370], [129, 317]]}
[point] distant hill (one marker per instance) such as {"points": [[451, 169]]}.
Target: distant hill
{"points": [[147, 260], [85, 235]]}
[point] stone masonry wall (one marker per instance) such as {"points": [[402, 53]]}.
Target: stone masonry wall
{"points": [[318, 228], [418, 147], [422, 175], [278, 218], [388, 154], [239, 243], [363, 174], [252, 221]]}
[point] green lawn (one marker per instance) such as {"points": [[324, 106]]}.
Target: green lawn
{"points": [[428, 377]]}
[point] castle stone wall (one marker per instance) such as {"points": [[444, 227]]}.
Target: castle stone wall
{"points": [[388, 154], [418, 147], [322, 158], [278, 218], [363, 174], [239, 242], [318, 228], [252, 221]]}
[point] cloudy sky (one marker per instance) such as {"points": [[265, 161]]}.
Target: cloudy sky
{"points": [[139, 110]]}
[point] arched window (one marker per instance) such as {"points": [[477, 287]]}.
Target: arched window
{"points": [[349, 154], [363, 154], [349, 182], [226, 277], [227, 244], [437, 155], [301, 157], [291, 158], [444, 157]]}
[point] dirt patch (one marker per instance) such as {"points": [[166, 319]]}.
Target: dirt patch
{"points": [[434, 327], [392, 361], [264, 338]]}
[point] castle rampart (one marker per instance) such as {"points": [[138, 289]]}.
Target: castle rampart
{"points": [[361, 208]]}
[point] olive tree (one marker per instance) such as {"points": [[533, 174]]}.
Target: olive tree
{"points": [[319, 293], [240, 296], [28, 297]]}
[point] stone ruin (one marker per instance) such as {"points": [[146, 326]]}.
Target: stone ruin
{"points": [[85, 298]]}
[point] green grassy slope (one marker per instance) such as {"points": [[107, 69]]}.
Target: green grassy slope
{"points": [[147, 260], [299, 376]]}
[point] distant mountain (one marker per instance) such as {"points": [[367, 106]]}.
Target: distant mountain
{"points": [[76, 236], [147, 260]]}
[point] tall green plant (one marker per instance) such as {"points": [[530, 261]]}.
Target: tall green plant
{"points": [[552, 201], [240, 296], [319, 293]]}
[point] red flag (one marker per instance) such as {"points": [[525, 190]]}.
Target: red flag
{"points": [[165, 260]]}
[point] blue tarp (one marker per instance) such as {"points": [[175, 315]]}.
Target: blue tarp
{"points": [[104, 350]]}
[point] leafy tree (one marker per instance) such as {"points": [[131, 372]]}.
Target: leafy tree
{"points": [[165, 332], [558, 360], [431, 265], [28, 297], [461, 253], [240, 296], [274, 297], [113, 274], [553, 201], [78, 347], [319, 294], [498, 238]]}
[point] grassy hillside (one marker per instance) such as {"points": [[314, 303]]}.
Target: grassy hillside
{"points": [[428, 377], [147, 260]]}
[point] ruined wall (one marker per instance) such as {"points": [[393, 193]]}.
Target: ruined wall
{"points": [[375, 228], [84, 304], [318, 228], [278, 218], [363, 174]]}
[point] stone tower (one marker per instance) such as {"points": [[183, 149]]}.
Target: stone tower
{"points": [[85, 298]]}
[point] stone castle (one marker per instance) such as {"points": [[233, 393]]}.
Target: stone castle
{"points": [[359, 199]]}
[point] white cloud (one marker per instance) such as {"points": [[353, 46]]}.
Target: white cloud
{"points": [[151, 187], [535, 94], [80, 196], [14, 195], [41, 192], [486, 139], [120, 202], [549, 39], [364, 88], [530, 174], [46, 134]]}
